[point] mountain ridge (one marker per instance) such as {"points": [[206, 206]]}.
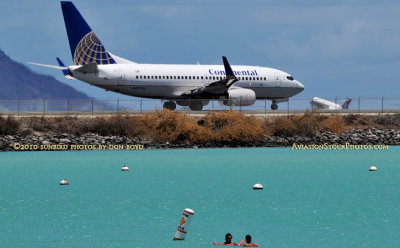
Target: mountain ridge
{"points": [[17, 81]]}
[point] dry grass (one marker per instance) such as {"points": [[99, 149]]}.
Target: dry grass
{"points": [[173, 127], [224, 126], [334, 124], [232, 126], [376, 121], [8, 125], [307, 124]]}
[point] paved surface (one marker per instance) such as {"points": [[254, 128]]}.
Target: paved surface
{"points": [[256, 113]]}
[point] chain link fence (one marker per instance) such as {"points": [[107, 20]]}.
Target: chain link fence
{"points": [[66, 107]]}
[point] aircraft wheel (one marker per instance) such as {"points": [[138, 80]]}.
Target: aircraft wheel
{"points": [[169, 105], [196, 106], [274, 106]]}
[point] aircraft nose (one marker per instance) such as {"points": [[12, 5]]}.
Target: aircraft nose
{"points": [[299, 86]]}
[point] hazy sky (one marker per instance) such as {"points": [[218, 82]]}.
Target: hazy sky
{"points": [[335, 48]]}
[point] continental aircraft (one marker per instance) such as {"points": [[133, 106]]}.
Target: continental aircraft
{"points": [[319, 103], [186, 85]]}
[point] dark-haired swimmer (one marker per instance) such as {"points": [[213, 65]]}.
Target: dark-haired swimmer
{"points": [[248, 242], [228, 241]]}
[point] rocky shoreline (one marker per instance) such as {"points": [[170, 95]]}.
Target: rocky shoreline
{"points": [[57, 142]]}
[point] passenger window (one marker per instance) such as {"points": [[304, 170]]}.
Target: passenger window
{"points": [[197, 77], [190, 77], [174, 77], [163, 77], [167, 77], [202, 77], [265, 78], [140, 76], [179, 77]]}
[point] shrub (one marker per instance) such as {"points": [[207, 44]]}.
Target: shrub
{"points": [[334, 124], [282, 126], [233, 126], [8, 126], [173, 127], [307, 124]]}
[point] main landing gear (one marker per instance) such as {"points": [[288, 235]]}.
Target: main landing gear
{"points": [[274, 106], [169, 105], [194, 105]]}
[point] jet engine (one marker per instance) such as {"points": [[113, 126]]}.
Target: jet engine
{"points": [[240, 97]]}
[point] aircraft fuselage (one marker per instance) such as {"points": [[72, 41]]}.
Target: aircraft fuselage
{"points": [[172, 81]]}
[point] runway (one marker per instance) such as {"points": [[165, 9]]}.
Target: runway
{"points": [[255, 113]]}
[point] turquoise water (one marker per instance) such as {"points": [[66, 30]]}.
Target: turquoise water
{"points": [[310, 198]]}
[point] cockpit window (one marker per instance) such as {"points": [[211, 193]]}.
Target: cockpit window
{"points": [[290, 78]]}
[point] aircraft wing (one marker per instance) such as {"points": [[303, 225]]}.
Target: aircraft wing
{"points": [[218, 87]]}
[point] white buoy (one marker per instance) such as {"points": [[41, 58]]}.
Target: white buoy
{"points": [[125, 168], [373, 168], [184, 224], [257, 186], [64, 182]]}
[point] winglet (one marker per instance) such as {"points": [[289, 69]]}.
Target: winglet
{"points": [[228, 69], [65, 71]]}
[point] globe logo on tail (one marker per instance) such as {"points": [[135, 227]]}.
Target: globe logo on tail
{"points": [[90, 50]]}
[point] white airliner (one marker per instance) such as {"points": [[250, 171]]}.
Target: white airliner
{"points": [[319, 103], [185, 85]]}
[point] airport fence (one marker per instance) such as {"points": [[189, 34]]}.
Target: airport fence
{"points": [[66, 107]]}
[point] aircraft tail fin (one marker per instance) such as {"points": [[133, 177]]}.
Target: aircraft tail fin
{"points": [[346, 103], [85, 47]]}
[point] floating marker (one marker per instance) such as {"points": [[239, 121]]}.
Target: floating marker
{"points": [[184, 224], [64, 182], [373, 168], [125, 168], [257, 186]]}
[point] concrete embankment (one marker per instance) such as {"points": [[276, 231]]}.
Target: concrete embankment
{"points": [[55, 142]]}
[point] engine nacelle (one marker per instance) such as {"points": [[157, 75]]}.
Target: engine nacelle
{"points": [[240, 97]]}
